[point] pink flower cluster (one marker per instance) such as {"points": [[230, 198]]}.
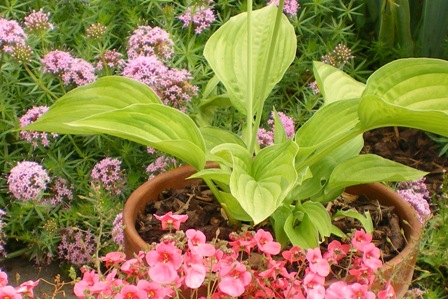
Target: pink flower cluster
{"points": [[33, 137], [266, 137], [200, 17], [38, 21], [27, 181], [77, 246], [290, 7], [11, 33], [417, 194], [160, 164], [71, 69], [149, 41], [250, 265], [148, 50], [108, 174], [24, 290]]}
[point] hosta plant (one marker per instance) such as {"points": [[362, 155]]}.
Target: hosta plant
{"points": [[286, 182]]}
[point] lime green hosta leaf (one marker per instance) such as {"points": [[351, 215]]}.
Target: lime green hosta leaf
{"points": [[260, 185], [105, 94], [227, 50], [214, 136], [334, 84], [367, 169], [409, 92], [162, 127]]}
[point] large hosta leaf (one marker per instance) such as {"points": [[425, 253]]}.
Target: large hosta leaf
{"points": [[260, 185], [407, 92], [334, 84], [162, 127], [105, 94], [227, 53]]}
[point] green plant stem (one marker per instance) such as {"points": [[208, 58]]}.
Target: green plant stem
{"points": [[38, 82]]}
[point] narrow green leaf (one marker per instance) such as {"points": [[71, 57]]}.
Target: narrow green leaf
{"points": [[105, 94], [226, 52], [162, 127], [366, 221], [334, 84]]}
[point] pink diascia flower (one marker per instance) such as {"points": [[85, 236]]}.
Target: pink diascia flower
{"points": [[200, 17], [27, 181], [33, 137], [197, 243], [150, 41], [265, 242], [164, 262], [171, 221], [361, 239], [131, 292], [317, 264], [234, 279], [8, 292]]}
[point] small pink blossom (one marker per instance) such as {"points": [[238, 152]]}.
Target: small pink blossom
{"points": [[200, 18], [197, 243], [387, 293], [234, 278], [195, 270], [171, 221], [371, 256], [164, 262], [26, 288], [317, 264], [336, 251], [361, 239], [131, 292], [265, 242], [8, 292], [113, 258], [38, 21]]}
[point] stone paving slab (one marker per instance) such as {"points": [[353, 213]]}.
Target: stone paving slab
{"points": [[27, 271]]}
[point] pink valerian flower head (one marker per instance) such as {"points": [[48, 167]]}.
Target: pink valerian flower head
{"points": [[175, 88], [111, 59], [33, 137], [361, 239], [38, 21], [77, 246], [11, 33], [339, 56], [234, 279], [417, 194], [164, 262], [20, 53], [108, 174], [200, 18], [317, 264], [161, 164], [146, 69], [57, 62], [59, 191], [27, 181], [197, 243], [117, 230], [96, 31], [150, 41], [266, 137], [265, 242], [80, 73], [290, 7], [314, 87], [171, 221]]}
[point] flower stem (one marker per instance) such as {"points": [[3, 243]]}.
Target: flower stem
{"points": [[44, 88]]}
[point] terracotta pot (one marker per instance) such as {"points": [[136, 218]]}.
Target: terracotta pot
{"points": [[399, 270]]}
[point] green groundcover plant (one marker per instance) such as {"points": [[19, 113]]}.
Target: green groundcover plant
{"points": [[289, 181]]}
